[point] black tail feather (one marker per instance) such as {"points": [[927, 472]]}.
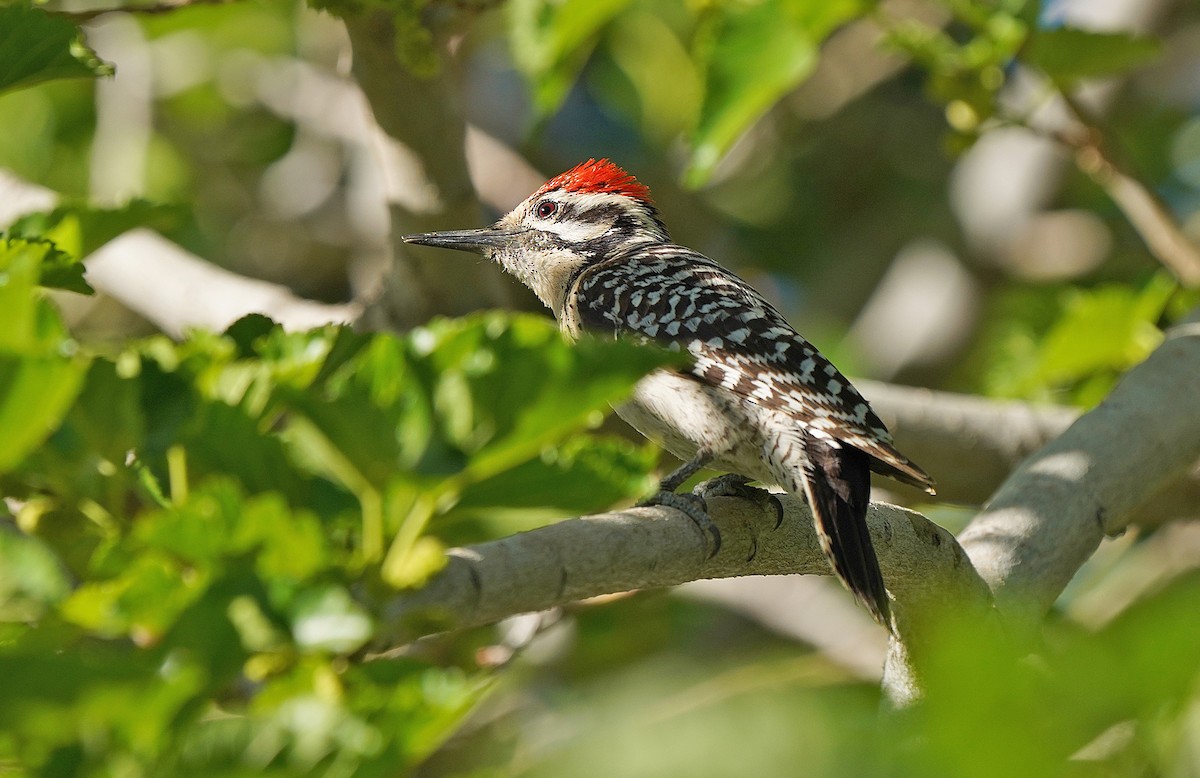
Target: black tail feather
{"points": [[839, 490]]}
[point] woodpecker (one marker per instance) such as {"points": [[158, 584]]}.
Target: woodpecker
{"points": [[758, 401]]}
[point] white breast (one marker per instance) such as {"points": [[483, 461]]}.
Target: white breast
{"points": [[682, 415]]}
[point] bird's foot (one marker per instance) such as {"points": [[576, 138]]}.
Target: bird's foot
{"points": [[692, 506], [734, 485]]}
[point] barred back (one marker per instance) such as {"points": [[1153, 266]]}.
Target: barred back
{"points": [[679, 298]]}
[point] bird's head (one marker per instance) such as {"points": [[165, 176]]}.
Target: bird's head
{"points": [[590, 213]]}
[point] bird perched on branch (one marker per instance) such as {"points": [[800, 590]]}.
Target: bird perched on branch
{"points": [[758, 401]]}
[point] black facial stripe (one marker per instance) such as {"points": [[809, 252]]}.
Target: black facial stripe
{"points": [[600, 214], [603, 246], [552, 240]]}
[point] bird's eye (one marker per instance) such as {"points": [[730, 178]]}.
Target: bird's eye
{"points": [[546, 209]]}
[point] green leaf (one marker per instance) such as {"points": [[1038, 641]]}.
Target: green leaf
{"points": [[39, 373], [27, 324], [290, 544], [1068, 55], [551, 40], [1078, 340], [755, 54], [348, 439], [1108, 327], [478, 372], [456, 398], [144, 600], [60, 699], [35, 394], [36, 47], [414, 41], [1144, 674], [108, 416], [584, 475], [66, 273], [31, 577], [419, 706], [223, 440], [81, 229], [247, 331], [60, 268]]}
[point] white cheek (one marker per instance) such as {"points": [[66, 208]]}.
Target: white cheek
{"points": [[577, 232]]}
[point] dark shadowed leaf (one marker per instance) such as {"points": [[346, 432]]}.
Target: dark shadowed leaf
{"points": [[31, 576], [1067, 54], [36, 46], [584, 475]]}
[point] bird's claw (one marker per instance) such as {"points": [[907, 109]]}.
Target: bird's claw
{"points": [[734, 485], [692, 506]]}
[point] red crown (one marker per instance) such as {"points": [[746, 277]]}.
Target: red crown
{"points": [[598, 177]]}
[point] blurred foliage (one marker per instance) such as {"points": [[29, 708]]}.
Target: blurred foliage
{"points": [[735, 60], [1078, 344], [1119, 700], [195, 534], [197, 529]]}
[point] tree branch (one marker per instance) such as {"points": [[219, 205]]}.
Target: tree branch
{"points": [[1144, 209], [644, 548], [1050, 515], [972, 444], [176, 289]]}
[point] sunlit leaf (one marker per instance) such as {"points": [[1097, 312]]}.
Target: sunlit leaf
{"points": [[653, 78], [754, 54], [422, 704], [35, 393], [1075, 341], [551, 39], [479, 371], [40, 374], [27, 324], [1109, 327]]}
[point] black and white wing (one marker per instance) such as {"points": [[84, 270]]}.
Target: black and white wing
{"points": [[681, 299]]}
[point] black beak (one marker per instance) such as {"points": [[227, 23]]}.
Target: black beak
{"points": [[464, 240]]}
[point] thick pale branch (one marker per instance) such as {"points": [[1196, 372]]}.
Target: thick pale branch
{"points": [[972, 444], [1050, 515], [176, 289], [654, 547]]}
